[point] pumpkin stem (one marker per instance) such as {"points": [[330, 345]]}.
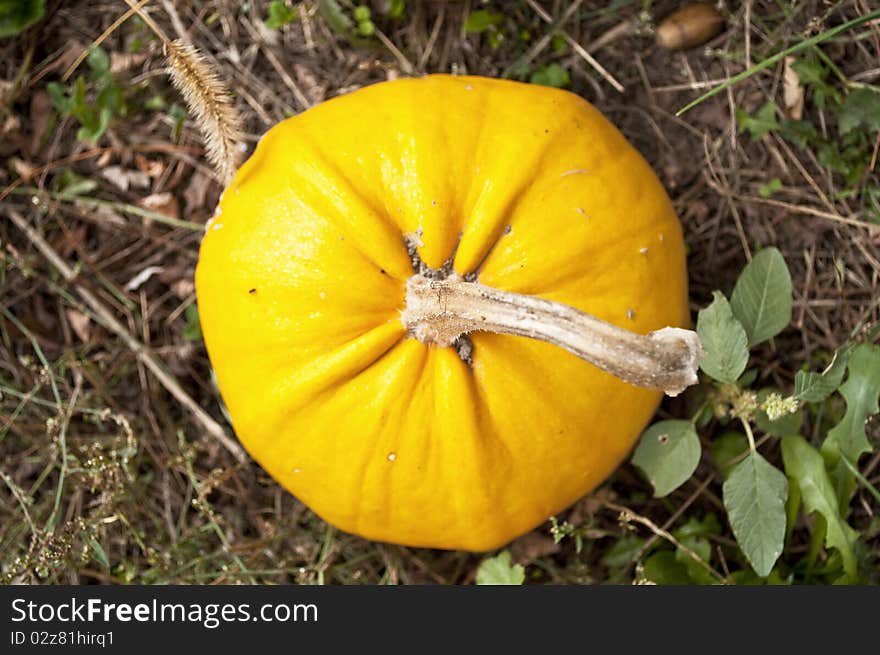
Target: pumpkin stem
{"points": [[439, 311]]}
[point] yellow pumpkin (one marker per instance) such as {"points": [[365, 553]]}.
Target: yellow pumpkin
{"points": [[303, 278]]}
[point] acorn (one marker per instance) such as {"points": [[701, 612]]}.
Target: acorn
{"points": [[689, 27]]}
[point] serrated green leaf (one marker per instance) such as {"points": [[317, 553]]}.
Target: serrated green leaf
{"points": [[805, 465], [481, 20], [724, 340], [754, 497], [861, 389], [725, 450], [762, 297], [668, 454], [816, 387], [860, 108], [18, 15], [499, 571]]}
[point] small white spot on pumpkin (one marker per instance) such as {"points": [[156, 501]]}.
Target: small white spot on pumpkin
{"points": [[662, 237], [322, 295], [630, 313], [580, 211], [392, 457], [216, 226], [217, 211], [575, 171], [297, 470], [469, 88], [315, 315], [643, 251], [209, 224]]}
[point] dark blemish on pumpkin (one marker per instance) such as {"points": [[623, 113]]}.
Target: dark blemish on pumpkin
{"points": [[252, 291], [546, 131], [663, 438], [383, 271], [508, 229], [434, 203], [465, 349]]}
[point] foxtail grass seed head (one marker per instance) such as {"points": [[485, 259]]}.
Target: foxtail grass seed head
{"points": [[210, 101]]}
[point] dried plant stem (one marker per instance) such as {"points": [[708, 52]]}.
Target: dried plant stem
{"points": [[441, 310], [139, 349], [629, 516], [103, 37]]}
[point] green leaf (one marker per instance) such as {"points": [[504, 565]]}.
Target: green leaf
{"points": [[767, 190], [553, 75], [499, 571], [813, 73], [726, 448], [724, 340], [664, 568], [805, 465], [861, 107], [800, 133], [481, 20], [98, 552], [693, 536], [861, 389], [336, 18], [762, 297], [761, 123], [94, 126], [816, 387], [69, 183], [59, 97], [99, 62], [279, 15], [668, 454], [193, 329], [18, 15], [620, 556], [396, 8], [754, 497]]}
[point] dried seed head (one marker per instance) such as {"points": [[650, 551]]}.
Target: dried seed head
{"points": [[210, 101]]}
